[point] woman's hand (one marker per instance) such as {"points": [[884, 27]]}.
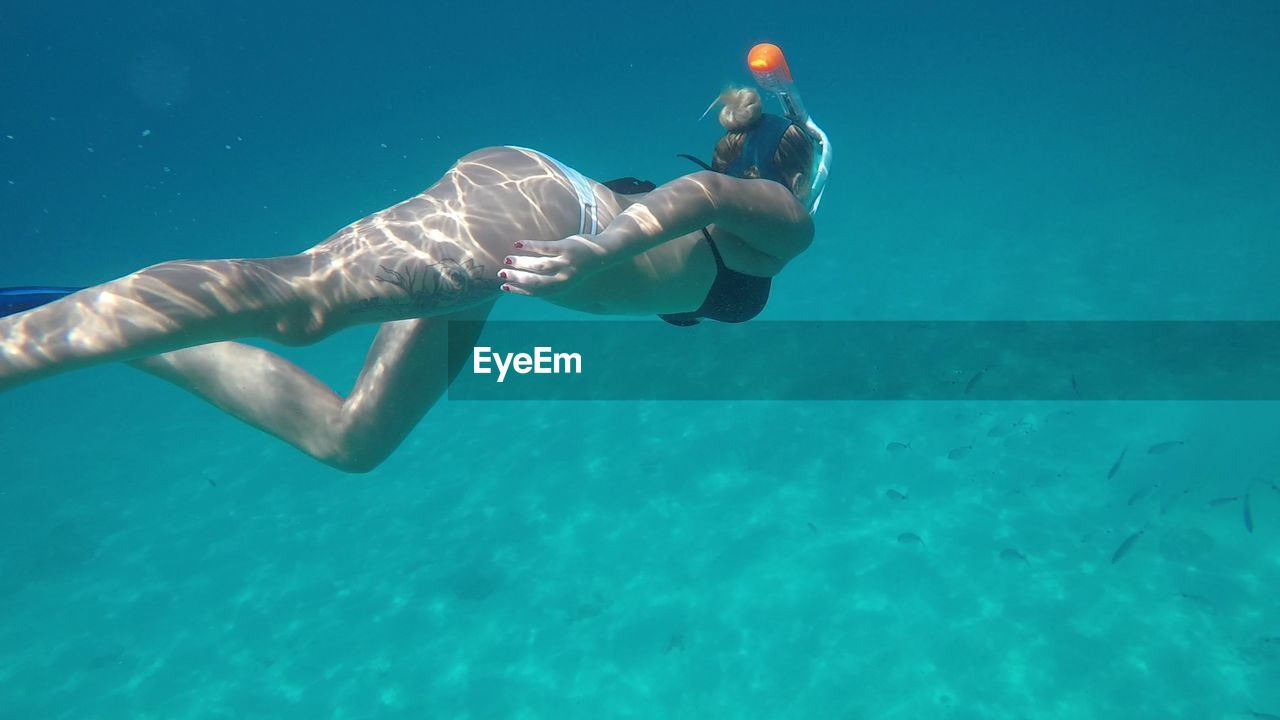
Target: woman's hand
{"points": [[548, 267]]}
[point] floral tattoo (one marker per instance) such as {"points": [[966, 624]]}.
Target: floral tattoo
{"points": [[432, 286]]}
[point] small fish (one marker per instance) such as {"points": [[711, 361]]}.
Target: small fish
{"points": [[674, 643], [1115, 466], [211, 482], [1013, 556], [1075, 387], [897, 447], [1261, 715], [910, 539], [1164, 447], [1200, 601], [894, 495], [1126, 546], [1248, 514], [998, 431], [1219, 502], [959, 453], [812, 528], [1141, 492], [973, 381]]}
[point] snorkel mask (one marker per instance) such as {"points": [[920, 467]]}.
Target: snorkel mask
{"points": [[771, 72], [759, 149]]}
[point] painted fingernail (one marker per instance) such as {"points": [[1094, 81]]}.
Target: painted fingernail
{"points": [[508, 261], [503, 274], [518, 244], [506, 288]]}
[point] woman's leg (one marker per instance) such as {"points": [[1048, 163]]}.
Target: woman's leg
{"points": [[161, 308], [366, 274], [405, 373], [431, 254]]}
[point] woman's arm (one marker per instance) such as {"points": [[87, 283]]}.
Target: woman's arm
{"points": [[762, 213]]}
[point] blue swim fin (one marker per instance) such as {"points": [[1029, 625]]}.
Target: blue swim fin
{"points": [[14, 300]]}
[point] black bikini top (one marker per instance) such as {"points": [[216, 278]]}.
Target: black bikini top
{"points": [[734, 296]]}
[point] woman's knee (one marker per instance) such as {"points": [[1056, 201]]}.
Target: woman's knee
{"points": [[355, 447], [355, 460]]}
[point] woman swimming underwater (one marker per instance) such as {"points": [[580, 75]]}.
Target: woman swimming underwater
{"points": [[502, 219]]}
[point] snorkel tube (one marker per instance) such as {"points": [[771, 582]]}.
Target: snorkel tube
{"points": [[772, 73]]}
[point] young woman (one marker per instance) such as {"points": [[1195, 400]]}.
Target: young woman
{"points": [[501, 220]]}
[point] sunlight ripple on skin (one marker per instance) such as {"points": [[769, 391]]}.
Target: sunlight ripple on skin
{"points": [[427, 254]]}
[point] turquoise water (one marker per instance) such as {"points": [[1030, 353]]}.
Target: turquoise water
{"points": [[653, 560]]}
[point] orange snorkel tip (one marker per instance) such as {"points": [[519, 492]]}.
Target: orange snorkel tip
{"points": [[772, 73], [768, 64]]}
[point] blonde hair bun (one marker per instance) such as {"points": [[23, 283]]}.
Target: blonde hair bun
{"points": [[742, 108]]}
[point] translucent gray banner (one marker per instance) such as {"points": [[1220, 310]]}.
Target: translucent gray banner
{"points": [[650, 360]]}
